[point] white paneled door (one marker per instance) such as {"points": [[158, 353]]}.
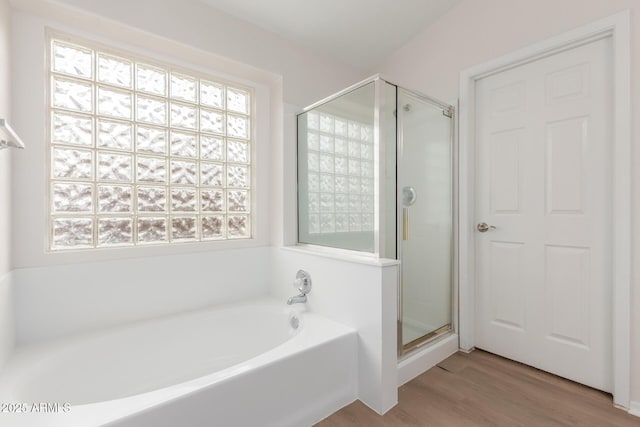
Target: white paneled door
{"points": [[544, 181]]}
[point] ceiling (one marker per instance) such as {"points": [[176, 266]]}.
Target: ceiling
{"points": [[361, 33]]}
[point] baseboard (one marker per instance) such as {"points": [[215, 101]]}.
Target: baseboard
{"points": [[426, 358], [634, 408]]}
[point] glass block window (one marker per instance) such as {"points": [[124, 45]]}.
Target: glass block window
{"points": [[141, 153], [340, 174]]}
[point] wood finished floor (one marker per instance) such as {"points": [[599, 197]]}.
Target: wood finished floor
{"points": [[482, 389]]}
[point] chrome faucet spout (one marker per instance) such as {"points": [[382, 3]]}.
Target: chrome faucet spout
{"points": [[298, 299]]}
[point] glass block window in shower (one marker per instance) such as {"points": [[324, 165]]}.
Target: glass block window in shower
{"points": [[336, 172], [143, 153]]}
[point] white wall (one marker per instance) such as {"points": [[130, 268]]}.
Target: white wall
{"points": [[54, 301], [358, 293], [477, 31], [6, 330]]}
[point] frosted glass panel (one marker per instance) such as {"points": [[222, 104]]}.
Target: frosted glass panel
{"points": [[331, 141]]}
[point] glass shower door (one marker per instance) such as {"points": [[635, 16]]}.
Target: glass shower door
{"points": [[425, 219]]}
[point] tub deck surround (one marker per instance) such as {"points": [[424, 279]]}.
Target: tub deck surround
{"points": [[238, 364]]}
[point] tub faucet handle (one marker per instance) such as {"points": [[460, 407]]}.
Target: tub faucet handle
{"points": [[302, 282]]}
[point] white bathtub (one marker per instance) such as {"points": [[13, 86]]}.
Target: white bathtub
{"points": [[236, 365]]}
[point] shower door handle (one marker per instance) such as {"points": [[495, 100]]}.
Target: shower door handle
{"points": [[405, 223]]}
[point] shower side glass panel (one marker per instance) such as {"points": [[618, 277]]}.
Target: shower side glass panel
{"points": [[336, 172]]}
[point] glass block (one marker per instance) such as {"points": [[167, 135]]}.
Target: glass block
{"points": [[67, 129], [72, 197], [152, 230], [183, 87], [341, 127], [238, 226], [183, 116], [313, 141], [213, 227], [313, 120], [72, 164], [342, 223], [237, 126], [152, 110], [327, 163], [326, 123], [183, 172], [211, 174], [342, 202], [183, 228], [367, 221], [114, 71], [183, 199], [341, 184], [314, 223], [327, 223], [354, 130], [313, 200], [113, 103], [354, 185], [72, 60], [114, 135], [326, 143], [211, 94], [72, 232], [313, 162], [355, 223], [366, 151], [211, 121], [151, 169], [367, 203], [367, 186], [114, 167], [152, 80], [367, 169], [151, 140], [211, 148], [354, 167], [366, 133], [326, 183], [114, 198], [115, 231], [355, 203], [152, 199], [313, 180], [238, 201], [237, 100], [183, 144], [327, 203], [237, 151], [354, 149], [72, 95], [341, 165], [238, 176], [341, 146], [212, 200]]}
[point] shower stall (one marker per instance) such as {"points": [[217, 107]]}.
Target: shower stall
{"points": [[375, 175]]}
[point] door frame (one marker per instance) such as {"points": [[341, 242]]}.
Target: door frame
{"points": [[618, 28]]}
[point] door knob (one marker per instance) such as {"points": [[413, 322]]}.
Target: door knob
{"points": [[483, 227]]}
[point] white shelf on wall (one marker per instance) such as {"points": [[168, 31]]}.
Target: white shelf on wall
{"points": [[8, 137]]}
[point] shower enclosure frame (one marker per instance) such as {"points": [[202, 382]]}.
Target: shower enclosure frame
{"points": [[380, 229]]}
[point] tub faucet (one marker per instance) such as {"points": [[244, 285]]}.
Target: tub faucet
{"points": [[303, 285]]}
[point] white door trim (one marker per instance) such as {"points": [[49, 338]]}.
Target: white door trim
{"points": [[618, 28]]}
